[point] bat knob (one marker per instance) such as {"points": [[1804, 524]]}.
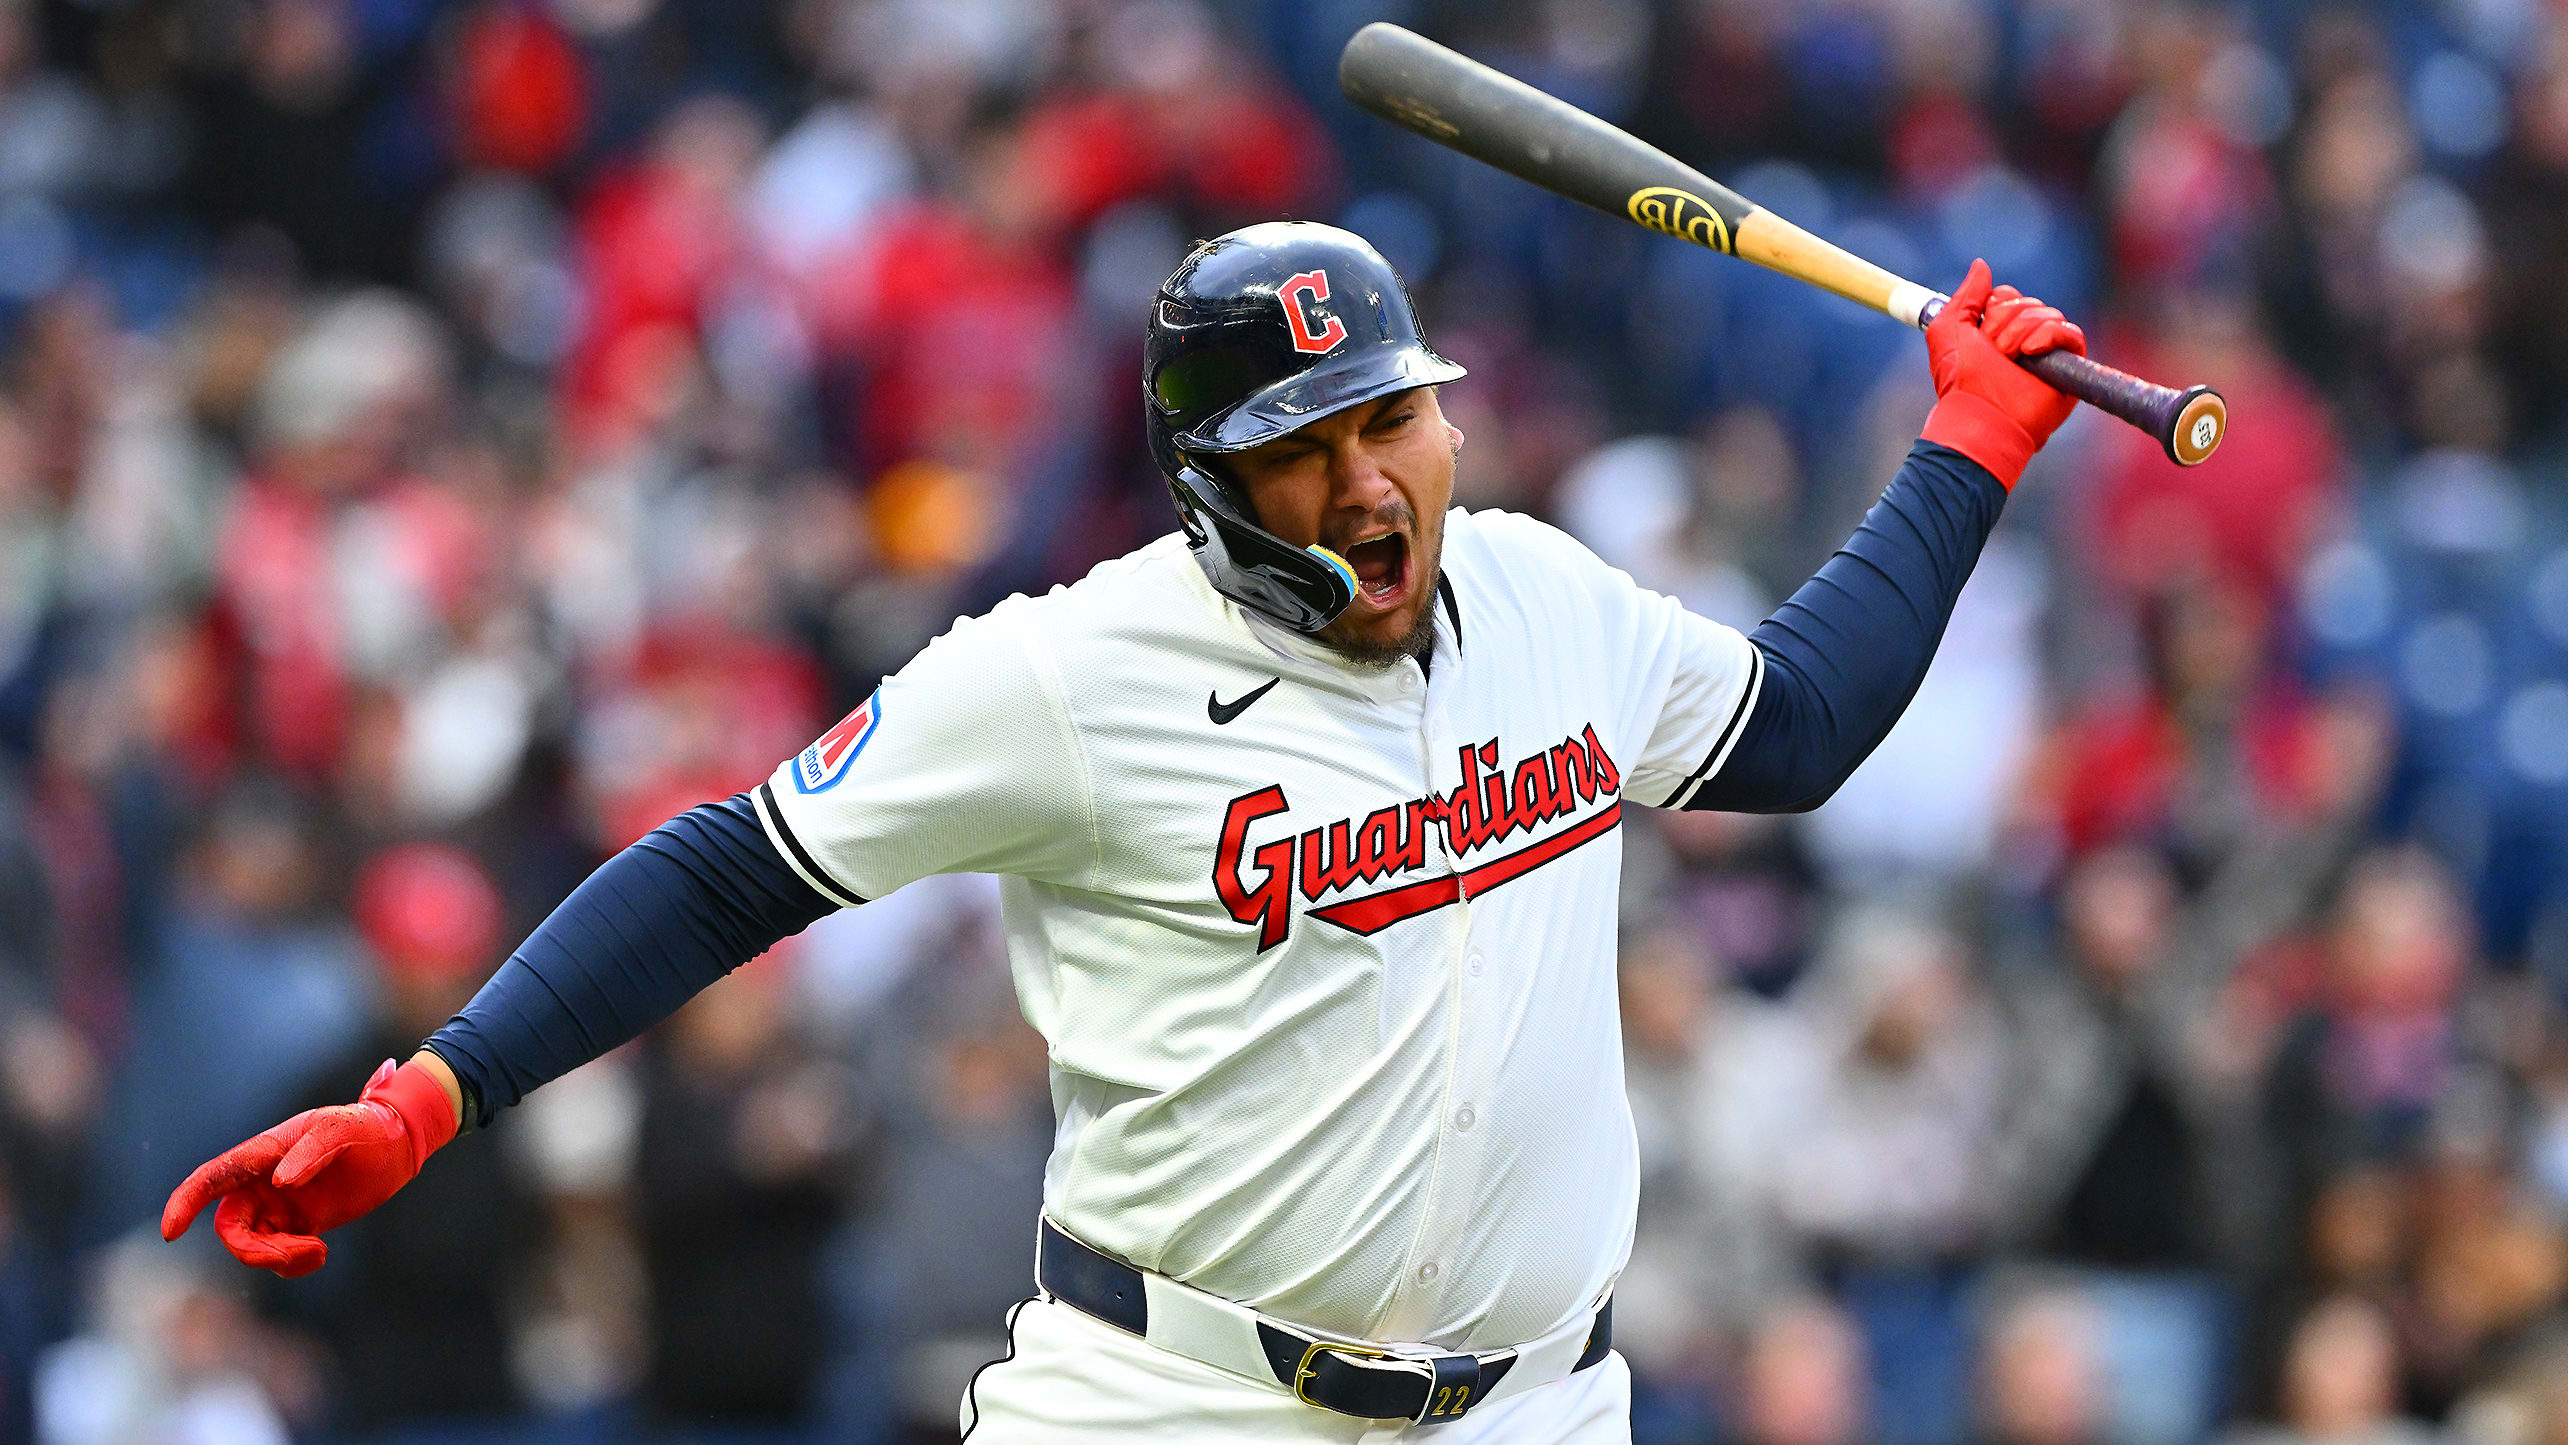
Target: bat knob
{"points": [[2196, 425]]}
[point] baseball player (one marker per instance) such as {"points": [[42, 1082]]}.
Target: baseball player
{"points": [[1309, 818]]}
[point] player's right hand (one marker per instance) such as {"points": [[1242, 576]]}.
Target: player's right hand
{"points": [[316, 1171], [1986, 407]]}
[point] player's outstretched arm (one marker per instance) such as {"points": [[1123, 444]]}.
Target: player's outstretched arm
{"points": [[699, 896], [972, 769], [704, 893], [1845, 654]]}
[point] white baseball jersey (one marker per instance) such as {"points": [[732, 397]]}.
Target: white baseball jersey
{"points": [[1324, 955]]}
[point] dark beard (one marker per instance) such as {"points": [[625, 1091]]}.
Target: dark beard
{"points": [[1417, 642]]}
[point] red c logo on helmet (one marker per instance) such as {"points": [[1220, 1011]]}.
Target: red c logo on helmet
{"points": [[1297, 316]]}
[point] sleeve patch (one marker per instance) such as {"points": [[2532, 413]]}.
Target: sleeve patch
{"points": [[818, 768]]}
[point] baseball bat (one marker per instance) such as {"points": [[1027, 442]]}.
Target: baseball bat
{"points": [[1456, 101]]}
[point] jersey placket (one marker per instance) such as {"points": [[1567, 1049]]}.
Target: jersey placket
{"points": [[1456, 1160]]}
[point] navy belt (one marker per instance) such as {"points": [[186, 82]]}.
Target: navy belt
{"points": [[1351, 1379]]}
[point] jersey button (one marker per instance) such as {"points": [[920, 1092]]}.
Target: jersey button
{"points": [[1427, 1272], [1464, 1118], [1475, 963]]}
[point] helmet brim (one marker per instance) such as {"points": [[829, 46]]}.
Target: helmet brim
{"points": [[1304, 397]]}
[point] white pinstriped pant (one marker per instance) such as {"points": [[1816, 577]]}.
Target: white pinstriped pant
{"points": [[1072, 1378]]}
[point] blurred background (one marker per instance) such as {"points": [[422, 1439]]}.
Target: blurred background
{"points": [[440, 439]]}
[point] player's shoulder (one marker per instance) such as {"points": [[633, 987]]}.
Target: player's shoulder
{"points": [[1535, 581], [1519, 548], [1156, 586], [1154, 594]]}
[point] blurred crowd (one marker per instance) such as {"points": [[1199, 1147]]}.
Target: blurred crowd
{"points": [[440, 439]]}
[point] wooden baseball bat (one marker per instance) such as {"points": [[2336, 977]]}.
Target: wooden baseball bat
{"points": [[1456, 101]]}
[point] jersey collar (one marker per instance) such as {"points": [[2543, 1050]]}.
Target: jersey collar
{"points": [[1287, 643]]}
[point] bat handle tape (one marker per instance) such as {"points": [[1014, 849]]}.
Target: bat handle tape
{"points": [[2188, 424]]}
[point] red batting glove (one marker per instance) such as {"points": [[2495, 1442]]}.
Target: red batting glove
{"points": [[1986, 407], [316, 1171]]}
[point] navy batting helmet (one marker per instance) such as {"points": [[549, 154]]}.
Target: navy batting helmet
{"points": [[1256, 333]]}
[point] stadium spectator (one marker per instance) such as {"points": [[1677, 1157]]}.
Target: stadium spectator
{"points": [[2042, 1373], [2341, 1381], [741, 1178], [1802, 1378]]}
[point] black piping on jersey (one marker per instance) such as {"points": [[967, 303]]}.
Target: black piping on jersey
{"points": [[971, 1390], [1686, 790], [1453, 609], [817, 876]]}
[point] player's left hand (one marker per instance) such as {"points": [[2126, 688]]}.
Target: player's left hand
{"points": [[1988, 408]]}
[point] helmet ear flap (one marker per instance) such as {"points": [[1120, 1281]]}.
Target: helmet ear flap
{"points": [[1304, 588]]}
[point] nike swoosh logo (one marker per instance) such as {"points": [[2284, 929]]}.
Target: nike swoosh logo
{"points": [[1222, 712]]}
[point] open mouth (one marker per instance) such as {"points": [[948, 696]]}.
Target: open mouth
{"points": [[1381, 568]]}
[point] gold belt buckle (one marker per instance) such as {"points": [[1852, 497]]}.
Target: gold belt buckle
{"points": [[1303, 1374]]}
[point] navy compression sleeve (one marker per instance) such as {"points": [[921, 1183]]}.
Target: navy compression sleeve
{"points": [[704, 893], [1846, 653]]}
